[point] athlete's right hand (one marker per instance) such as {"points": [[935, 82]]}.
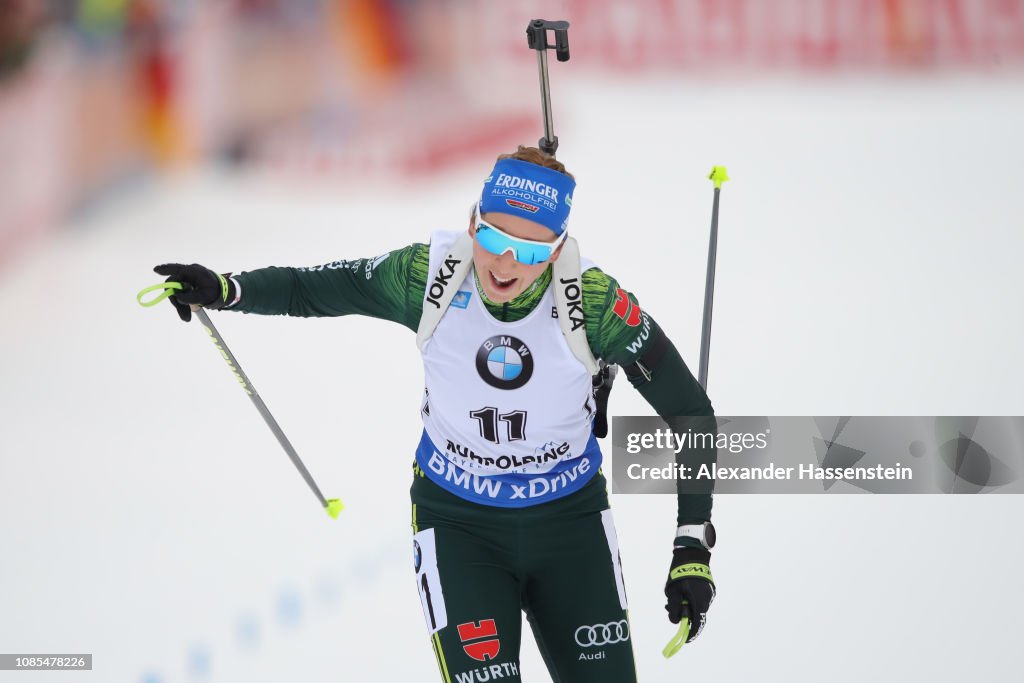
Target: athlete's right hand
{"points": [[201, 287]]}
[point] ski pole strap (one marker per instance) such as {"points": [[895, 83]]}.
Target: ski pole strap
{"points": [[168, 288], [679, 639]]}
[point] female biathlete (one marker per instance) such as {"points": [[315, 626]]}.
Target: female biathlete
{"points": [[509, 507]]}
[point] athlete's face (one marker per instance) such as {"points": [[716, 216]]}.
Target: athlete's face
{"points": [[502, 277]]}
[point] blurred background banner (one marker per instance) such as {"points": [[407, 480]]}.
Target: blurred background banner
{"points": [[94, 92]]}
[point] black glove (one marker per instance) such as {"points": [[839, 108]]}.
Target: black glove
{"points": [[201, 286], [690, 588]]}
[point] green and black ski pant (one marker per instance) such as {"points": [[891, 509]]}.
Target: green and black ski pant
{"points": [[479, 567]]}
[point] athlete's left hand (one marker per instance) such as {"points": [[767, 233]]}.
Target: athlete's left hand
{"points": [[690, 588]]}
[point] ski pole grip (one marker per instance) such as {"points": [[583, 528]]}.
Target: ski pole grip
{"points": [[537, 37]]}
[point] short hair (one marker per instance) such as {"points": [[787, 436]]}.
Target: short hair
{"points": [[536, 156]]}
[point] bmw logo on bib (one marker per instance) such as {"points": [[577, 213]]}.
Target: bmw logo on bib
{"points": [[504, 362]]}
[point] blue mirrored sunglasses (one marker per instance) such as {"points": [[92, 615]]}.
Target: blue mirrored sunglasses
{"points": [[497, 241]]}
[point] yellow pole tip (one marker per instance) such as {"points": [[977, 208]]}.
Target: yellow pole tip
{"points": [[334, 507], [718, 175]]}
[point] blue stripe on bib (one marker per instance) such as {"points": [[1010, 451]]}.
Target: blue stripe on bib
{"points": [[511, 490]]}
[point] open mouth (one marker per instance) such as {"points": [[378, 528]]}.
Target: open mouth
{"points": [[502, 284]]}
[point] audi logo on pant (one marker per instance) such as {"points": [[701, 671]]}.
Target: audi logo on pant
{"points": [[603, 634]]}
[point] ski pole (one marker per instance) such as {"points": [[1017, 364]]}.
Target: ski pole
{"points": [[537, 39], [718, 176], [333, 506]]}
